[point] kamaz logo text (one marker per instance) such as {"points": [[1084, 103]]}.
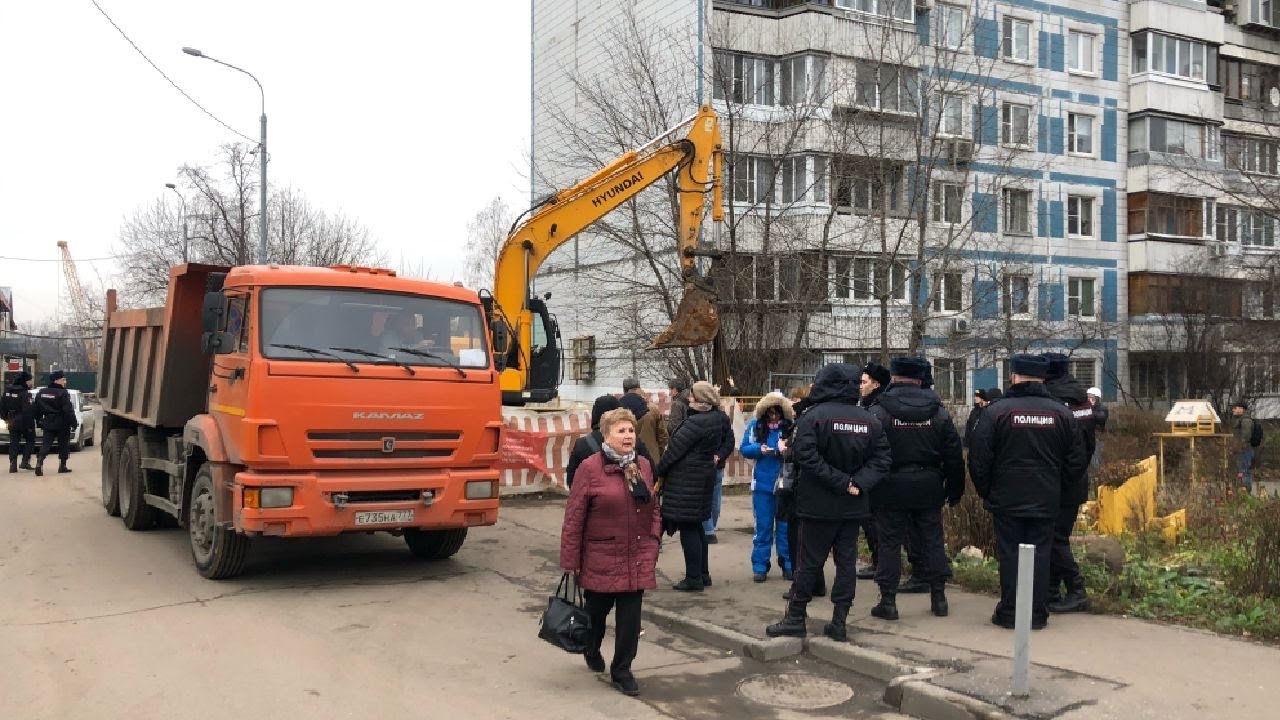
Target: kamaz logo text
{"points": [[600, 199], [367, 415]]}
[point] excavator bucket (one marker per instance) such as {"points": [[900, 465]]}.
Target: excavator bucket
{"points": [[696, 322]]}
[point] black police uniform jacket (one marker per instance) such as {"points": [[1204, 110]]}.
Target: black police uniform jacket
{"points": [[837, 444], [16, 408], [688, 468], [1070, 391], [53, 409], [928, 461], [1026, 453]]}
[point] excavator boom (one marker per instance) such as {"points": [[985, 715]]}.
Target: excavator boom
{"points": [[532, 371]]}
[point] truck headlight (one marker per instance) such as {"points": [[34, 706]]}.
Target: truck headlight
{"points": [[482, 489], [277, 497]]}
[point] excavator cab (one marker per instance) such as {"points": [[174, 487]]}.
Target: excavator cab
{"points": [[538, 363]]}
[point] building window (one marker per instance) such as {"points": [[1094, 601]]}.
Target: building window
{"points": [[1176, 137], [1084, 370], [743, 79], [1164, 214], [1080, 298], [951, 121], [1249, 227], [1080, 133], [803, 80], [867, 279], [1260, 12], [947, 201], [1015, 125], [1247, 82], [886, 87], [1080, 51], [899, 9], [1147, 378], [948, 292], [864, 185], [794, 178], [752, 179], [1080, 215], [1016, 296], [1250, 154], [1017, 211], [584, 358], [949, 380], [951, 22], [1017, 40], [1169, 55]]}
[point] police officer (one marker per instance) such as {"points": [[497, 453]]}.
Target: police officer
{"points": [[875, 380], [16, 411], [57, 418], [841, 453], [1062, 564], [928, 470], [1025, 454]]}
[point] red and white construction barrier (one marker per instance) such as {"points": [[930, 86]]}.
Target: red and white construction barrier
{"points": [[536, 445]]}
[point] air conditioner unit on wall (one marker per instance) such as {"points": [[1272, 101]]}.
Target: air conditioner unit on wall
{"points": [[924, 5], [959, 151], [1218, 250], [960, 326]]}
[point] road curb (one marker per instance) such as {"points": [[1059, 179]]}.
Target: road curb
{"points": [[872, 663], [917, 697], [722, 637]]}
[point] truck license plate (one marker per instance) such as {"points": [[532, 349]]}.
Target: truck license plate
{"points": [[384, 517]]}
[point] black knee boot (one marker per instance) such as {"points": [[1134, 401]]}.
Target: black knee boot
{"points": [[792, 625], [1076, 599], [62, 467], [938, 599], [836, 629], [13, 464], [888, 607]]}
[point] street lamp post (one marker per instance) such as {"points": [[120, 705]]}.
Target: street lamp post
{"points": [[262, 154], [186, 239]]}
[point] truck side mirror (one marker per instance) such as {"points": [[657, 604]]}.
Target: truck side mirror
{"points": [[213, 315], [501, 344], [217, 343]]}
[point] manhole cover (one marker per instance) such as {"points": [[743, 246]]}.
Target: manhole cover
{"points": [[794, 691]]}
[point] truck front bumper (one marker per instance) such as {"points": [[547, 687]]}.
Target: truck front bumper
{"points": [[331, 503]]}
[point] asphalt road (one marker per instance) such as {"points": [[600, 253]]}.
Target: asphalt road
{"points": [[100, 622]]}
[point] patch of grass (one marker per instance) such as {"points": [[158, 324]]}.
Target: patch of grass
{"points": [[977, 575]]}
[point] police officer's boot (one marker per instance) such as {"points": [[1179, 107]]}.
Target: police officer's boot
{"points": [[938, 599], [888, 607], [62, 467], [13, 464], [26, 465], [40, 468], [1076, 599], [836, 629], [792, 625]]}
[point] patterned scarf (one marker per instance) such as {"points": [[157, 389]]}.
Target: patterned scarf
{"points": [[630, 470]]}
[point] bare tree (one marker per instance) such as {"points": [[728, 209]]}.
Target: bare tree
{"points": [[221, 212], [486, 232]]}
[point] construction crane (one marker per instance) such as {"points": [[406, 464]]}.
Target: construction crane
{"points": [[80, 304]]}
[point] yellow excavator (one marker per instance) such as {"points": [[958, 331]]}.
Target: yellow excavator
{"points": [[525, 334]]}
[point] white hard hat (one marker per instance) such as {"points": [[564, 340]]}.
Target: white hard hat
{"points": [[1094, 392]]}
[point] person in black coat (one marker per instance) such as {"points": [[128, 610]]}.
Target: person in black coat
{"points": [[688, 472], [981, 399], [1025, 454], [18, 413], [842, 453], [1062, 563], [57, 418], [875, 379], [787, 501], [927, 471], [589, 444], [727, 443]]}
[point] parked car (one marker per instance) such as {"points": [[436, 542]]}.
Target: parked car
{"points": [[84, 432]]}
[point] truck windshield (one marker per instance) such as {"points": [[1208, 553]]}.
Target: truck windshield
{"points": [[446, 332]]}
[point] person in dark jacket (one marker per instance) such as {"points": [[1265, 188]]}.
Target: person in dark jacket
{"points": [[678, 388], [927, 471], [764, 441], [1062, 563], [57, 418], [842, 454], [1026, 453], [613, 502], [688, 472], [589, 444], [723, 451], [18, 413], [875, 378], [1100, 416], [651, 427], [981, 399], [787, 499]]}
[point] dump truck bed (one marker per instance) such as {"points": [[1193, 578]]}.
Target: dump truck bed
{"points": [[152, 370]]}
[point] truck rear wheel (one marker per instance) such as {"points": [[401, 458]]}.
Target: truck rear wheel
{"points": [[111, 447], [132, 480], [219, 552], [435, 544]]}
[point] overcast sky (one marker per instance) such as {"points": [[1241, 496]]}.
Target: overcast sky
{"points": [[406, 115]]}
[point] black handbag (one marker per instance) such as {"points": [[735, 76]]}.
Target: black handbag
{"points": [[565, 623], [786, 478]]}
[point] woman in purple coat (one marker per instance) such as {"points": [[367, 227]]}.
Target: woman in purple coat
{"points": [[610, 541]]}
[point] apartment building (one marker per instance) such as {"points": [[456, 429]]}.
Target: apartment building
{"points": [[949, 177], [1204, 113]]}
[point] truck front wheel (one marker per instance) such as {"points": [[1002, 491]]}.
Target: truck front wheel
{"points": [[435, 544], [219, 552]]}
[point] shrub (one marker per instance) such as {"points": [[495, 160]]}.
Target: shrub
{"points": [[1254, 569], [968, 523]]}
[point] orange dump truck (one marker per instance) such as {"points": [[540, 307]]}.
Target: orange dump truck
{"points": [[295, 402]]}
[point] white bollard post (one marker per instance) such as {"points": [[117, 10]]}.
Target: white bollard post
{"points": [[1022, 621]]}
